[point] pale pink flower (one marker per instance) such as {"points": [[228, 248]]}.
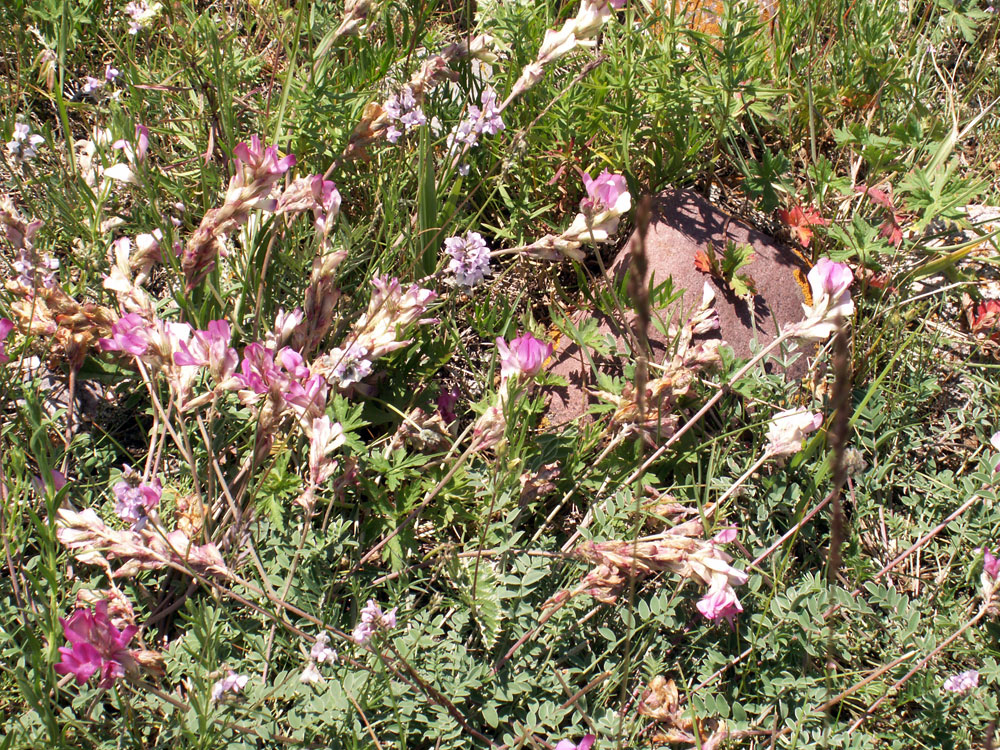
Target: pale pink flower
{"points": [[991, 564], [524, 356], [830, 285], [963, 682], [995, 442], [788, 431], [321, 651], [95, 645], [372, 620], [209, 348]]}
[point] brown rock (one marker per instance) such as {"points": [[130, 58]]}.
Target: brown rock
{"points": [[683, 223]]}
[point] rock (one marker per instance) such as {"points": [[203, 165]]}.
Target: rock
{"points": [[683, 223]]}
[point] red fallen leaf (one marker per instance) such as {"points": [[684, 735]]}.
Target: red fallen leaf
{"points": [[702, 262], [986, 317], [891, 231], [799, 221], [879, 197]]}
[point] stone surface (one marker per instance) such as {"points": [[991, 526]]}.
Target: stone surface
{"points": [[682, 223]]}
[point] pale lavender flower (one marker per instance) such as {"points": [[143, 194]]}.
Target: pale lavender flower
{"points": [[111, 73], [35, 269], [963, 682], [525, 356], [372, 620], [321, 651], [490, 120], [470, 258], [463, 169], [135, 498], [24, 144], [311, 675], [350, 365], [141, 13], [403, 108], [231, 683], [91, 85]]}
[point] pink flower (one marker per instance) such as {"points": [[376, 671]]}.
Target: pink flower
{"points": [[6, 326], [130, 333], [525, 355], [963, 682], [720, 604], [209, 348], [991, 564], [470, 258], [725, 536], [95, 644], [603, 193], [584, 744], [58, 481], [446, 401]]}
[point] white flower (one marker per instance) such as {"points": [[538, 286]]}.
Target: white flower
{"points": [[788, 431], [231, 683], [311, 675], [830, 284]]}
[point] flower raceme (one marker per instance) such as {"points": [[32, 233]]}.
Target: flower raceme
{"points": [[584, 744], [470, 259], [135, 498], [209, 348], [830, 285], [962, 683], [524, 356], [95, 645]]}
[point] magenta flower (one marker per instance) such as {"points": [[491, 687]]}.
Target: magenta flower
{"points": [[446, 401], [720, 604], [602, 193], [130, 333], [6, 326], [209, 348], [136, 498], [525, 355], [963, 682], [95, 645], [584, 744]]}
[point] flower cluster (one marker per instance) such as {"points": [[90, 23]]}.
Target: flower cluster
{"points": [[402, 108], [135, 498], [95, 645], [372, 620], [580, 31], [257, 169], [33, 268], [23, 145], [209, 348], [314, 194], [477, 121], [470, 259], [830, 286]]}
